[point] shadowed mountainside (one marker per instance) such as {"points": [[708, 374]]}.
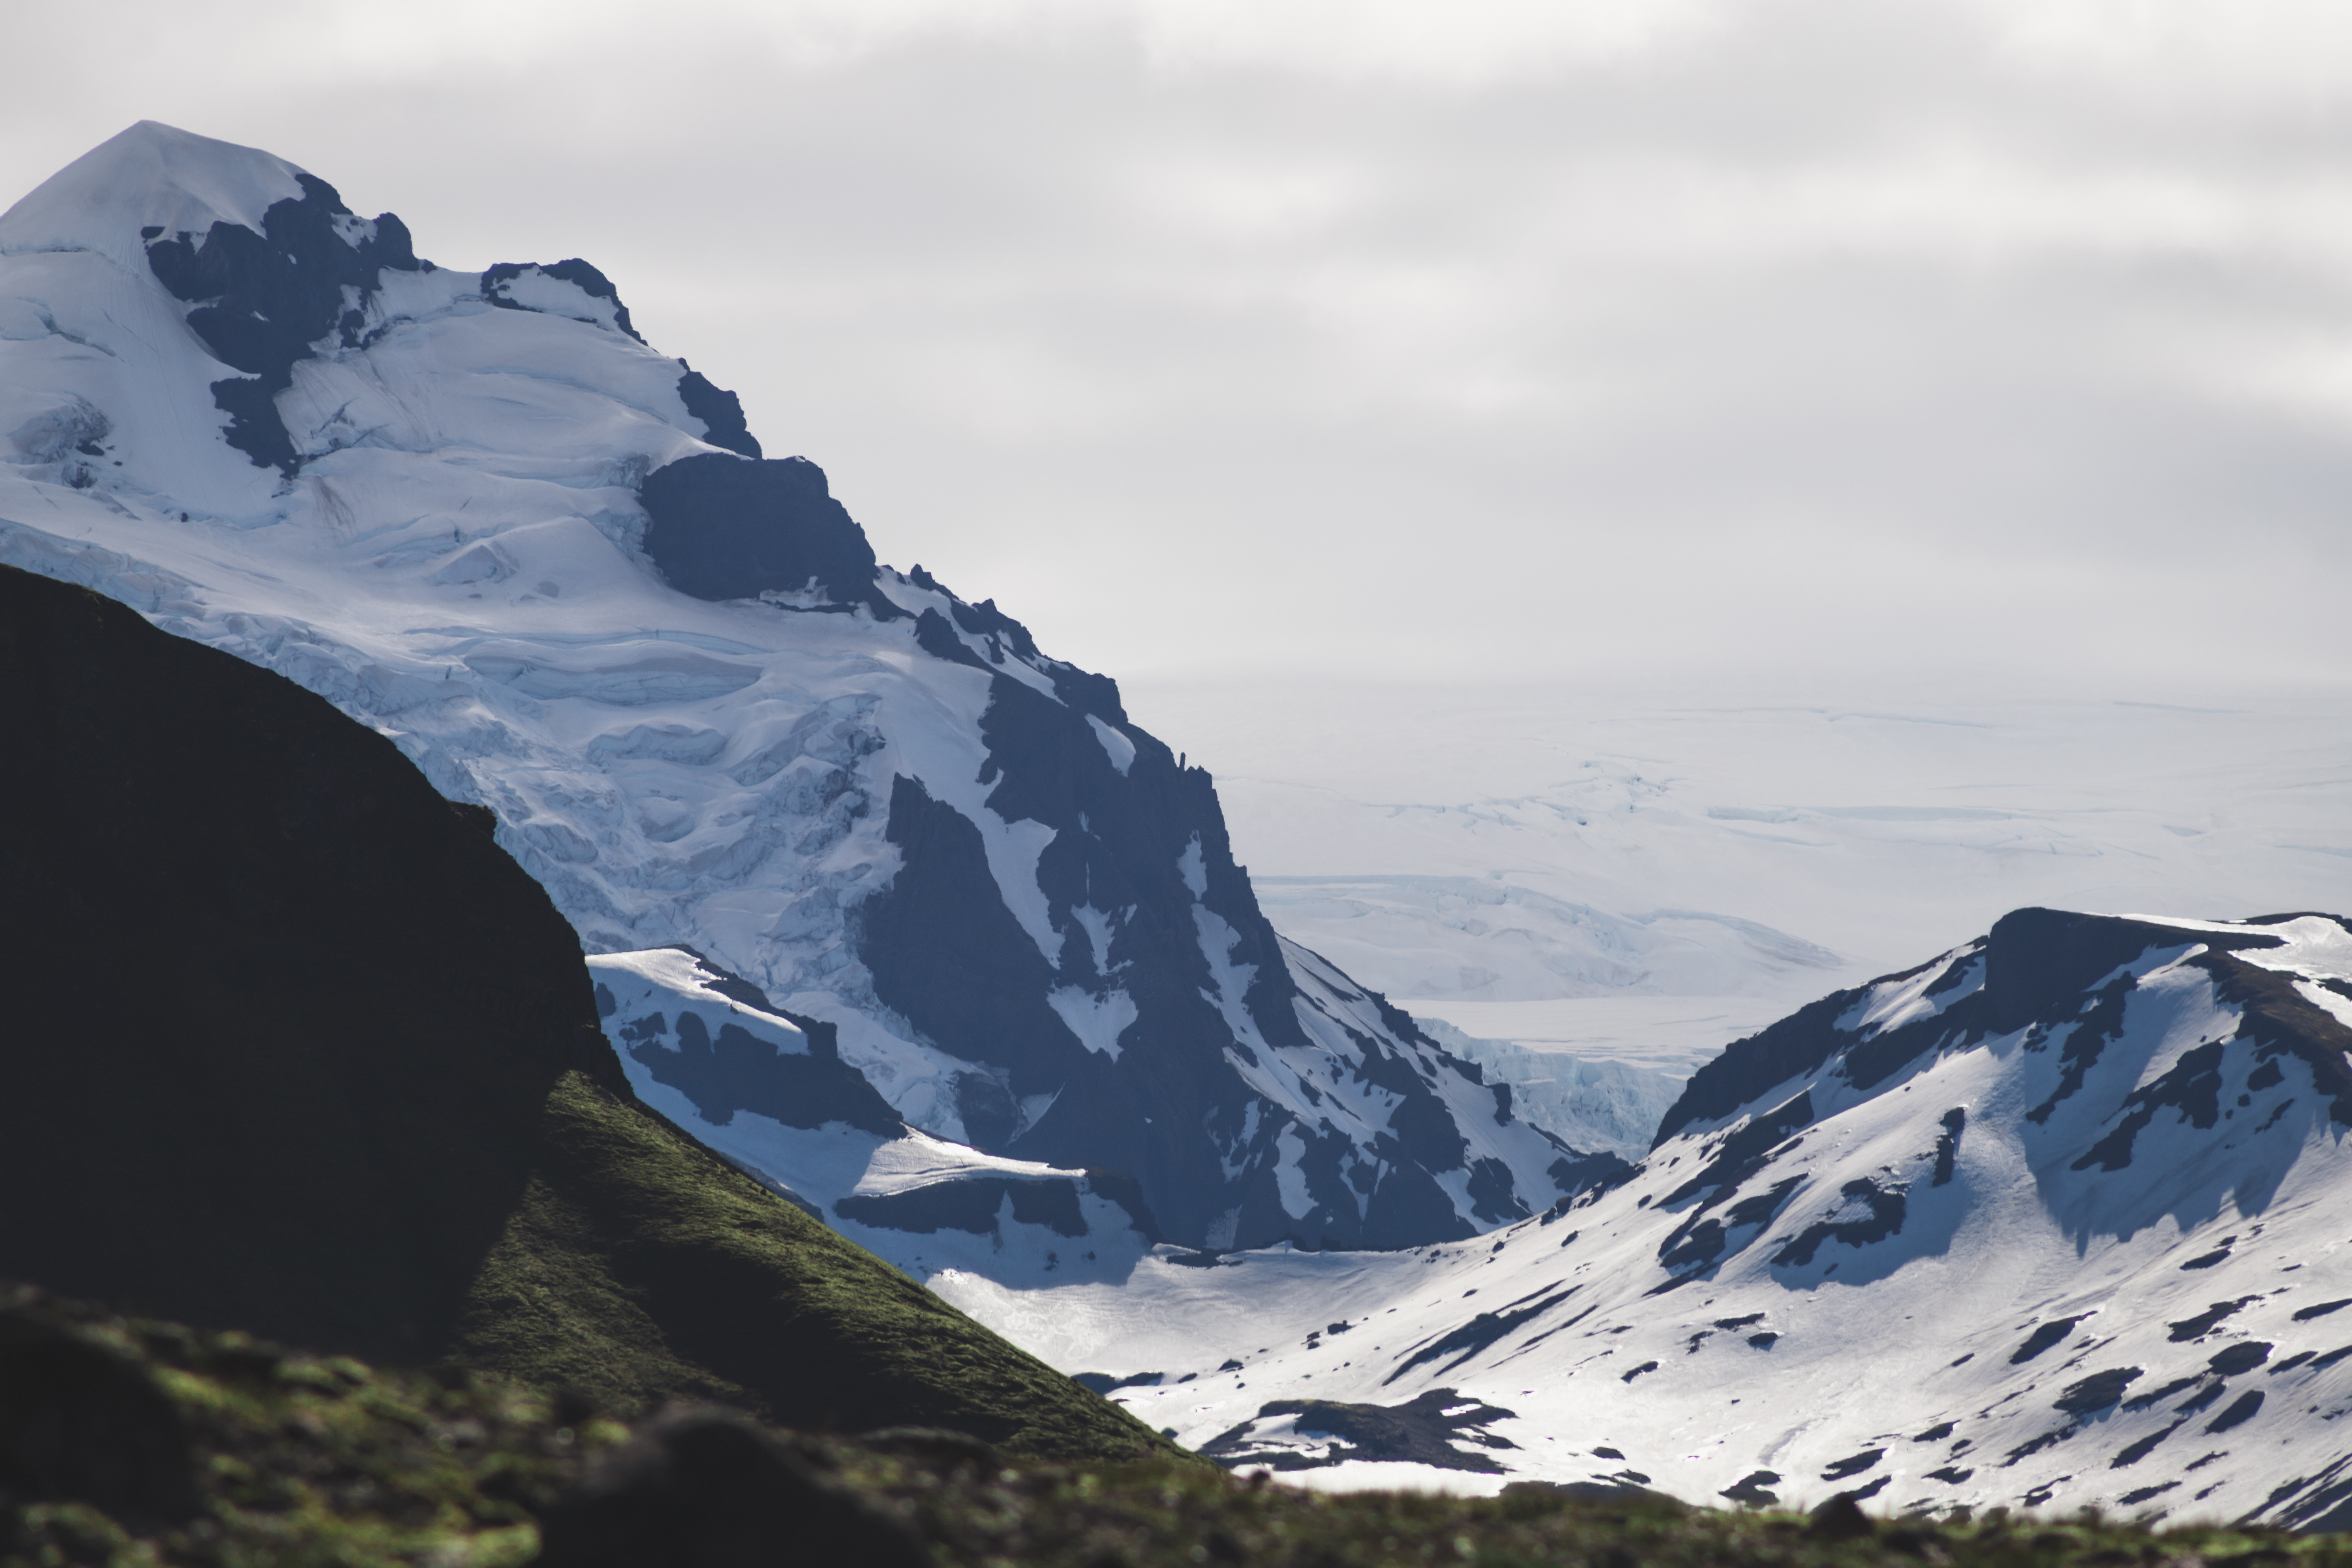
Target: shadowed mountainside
{"points": [[291, 1045]]}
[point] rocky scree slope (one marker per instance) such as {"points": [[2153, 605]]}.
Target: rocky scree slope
{"points": [[292, 1046], [477, 512]]}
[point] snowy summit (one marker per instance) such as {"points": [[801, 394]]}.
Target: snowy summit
{"points": [[477, 511]]}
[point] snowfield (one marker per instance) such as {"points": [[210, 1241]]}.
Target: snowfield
{"points": [[2054, 1219]]}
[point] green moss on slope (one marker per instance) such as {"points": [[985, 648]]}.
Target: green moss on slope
{"points": [[163, 1445], [639, 1267]]}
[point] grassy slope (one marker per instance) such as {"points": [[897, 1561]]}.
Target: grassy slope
{"points": [[249, 1455], [639, 1266], [288, 1045]]}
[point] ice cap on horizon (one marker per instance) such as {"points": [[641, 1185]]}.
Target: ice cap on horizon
{"points": [[152, 174]]}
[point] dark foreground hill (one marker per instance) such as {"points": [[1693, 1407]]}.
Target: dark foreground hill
{"points": [[128, 1442], [289, 1045]]}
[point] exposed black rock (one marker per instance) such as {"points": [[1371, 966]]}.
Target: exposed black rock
{"points": [[1741, 1153], [2100, 1391], [2192, 1087], [724, 527], [1168, 1107], [973, 1205], [2150, 1400], [1702, 1238], [1947, 1145], [2283, 1024], [2131, 1454], [739, 1071], [1419, 1432], [2243, 1409], [2035, 967], [1480, 1333], [720, 411], [1753, 1490], [2206, 1322], [263, 299], [970, 977], [2050, 1333], [1884, 1217], [498, 280], [1103, 1382], [2243, 1356]]}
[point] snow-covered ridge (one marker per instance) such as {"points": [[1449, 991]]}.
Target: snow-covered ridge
{"points": [[2054, 1219], [480, 514], [770, 1095]]}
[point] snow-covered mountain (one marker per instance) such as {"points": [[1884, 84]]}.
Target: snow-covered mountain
{"points": [[770, 1093], [2055, 1218], [478, 512]]}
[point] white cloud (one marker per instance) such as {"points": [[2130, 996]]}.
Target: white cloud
{"points": [[1399, 338]]}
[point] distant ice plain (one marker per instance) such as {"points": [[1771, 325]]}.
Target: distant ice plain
{"points": [[1642, 873]]}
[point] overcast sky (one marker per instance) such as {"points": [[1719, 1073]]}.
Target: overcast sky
{"points": [[1786, 338]]}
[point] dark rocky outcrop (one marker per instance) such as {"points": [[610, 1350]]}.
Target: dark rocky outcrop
{"points": [[725, 527], [498, 281], [2037, 968], [1423, 1431], [262, 299], [1169, 1108], [720, 411]]}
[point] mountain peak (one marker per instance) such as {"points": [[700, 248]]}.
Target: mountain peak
{"points": [[150, 176]]}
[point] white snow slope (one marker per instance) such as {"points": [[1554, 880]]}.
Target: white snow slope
{"points": [[450, 547], [2058, 1218], [702, 1047]]}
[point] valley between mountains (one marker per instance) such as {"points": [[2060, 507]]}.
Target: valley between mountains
{"points": [[903, 942]]}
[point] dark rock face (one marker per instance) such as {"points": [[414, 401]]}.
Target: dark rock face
{"points": [[267, 1130], [497, 288], [2063, 988], [2036, 968], [737, 1072], [262, 299], [734, 528], [1429, 1430], [1140, 887], [720, 411], [736, 1058], [1481, 1332]]}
